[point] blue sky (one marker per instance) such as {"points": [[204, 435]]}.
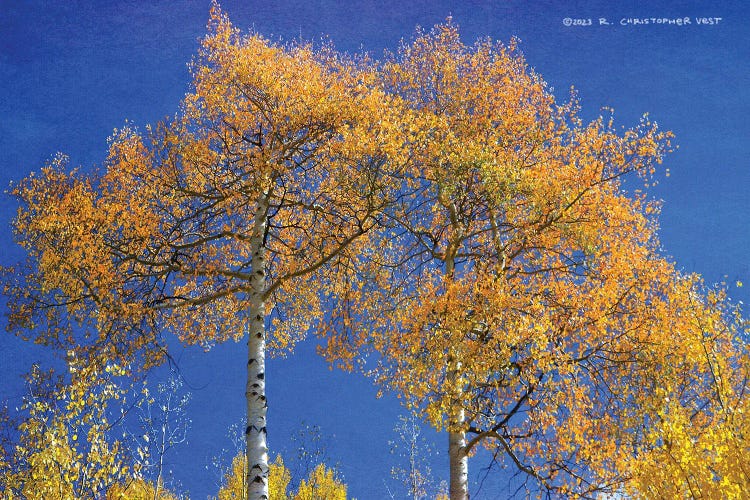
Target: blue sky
{"points": [[72, 71]]}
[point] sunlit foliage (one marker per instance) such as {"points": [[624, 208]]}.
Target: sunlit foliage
{"points": [[64, 448], [699, 442], [440, 210], [232, 215], [139, 489], [519, 299], [322, 483]]}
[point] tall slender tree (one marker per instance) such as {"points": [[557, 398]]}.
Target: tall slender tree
{"points": [[231, 216], [517, 272]]}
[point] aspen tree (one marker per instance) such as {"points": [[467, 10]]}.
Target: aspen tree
{"points": [[516, 275], [222, 223]]}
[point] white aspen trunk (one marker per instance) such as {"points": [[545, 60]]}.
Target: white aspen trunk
{"points": [[457, 457], [459, 461], [255, 390]]}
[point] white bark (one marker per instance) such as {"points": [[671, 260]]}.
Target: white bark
{"points": [[459, 462], [255, 390], [457, 456]]}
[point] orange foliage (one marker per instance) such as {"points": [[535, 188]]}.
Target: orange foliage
{"points": [[163, 234], [474, 232], [518, 296], [243, 204]]}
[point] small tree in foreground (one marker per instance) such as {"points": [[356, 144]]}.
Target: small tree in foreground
{"points": [[163, 424], [140, 489], [321, 484], [64, 448], [699, 440], [413, 454]]}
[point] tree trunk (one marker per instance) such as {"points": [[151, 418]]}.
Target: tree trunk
{"points": [[457, 456], [459, 461], [255, 391]]}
